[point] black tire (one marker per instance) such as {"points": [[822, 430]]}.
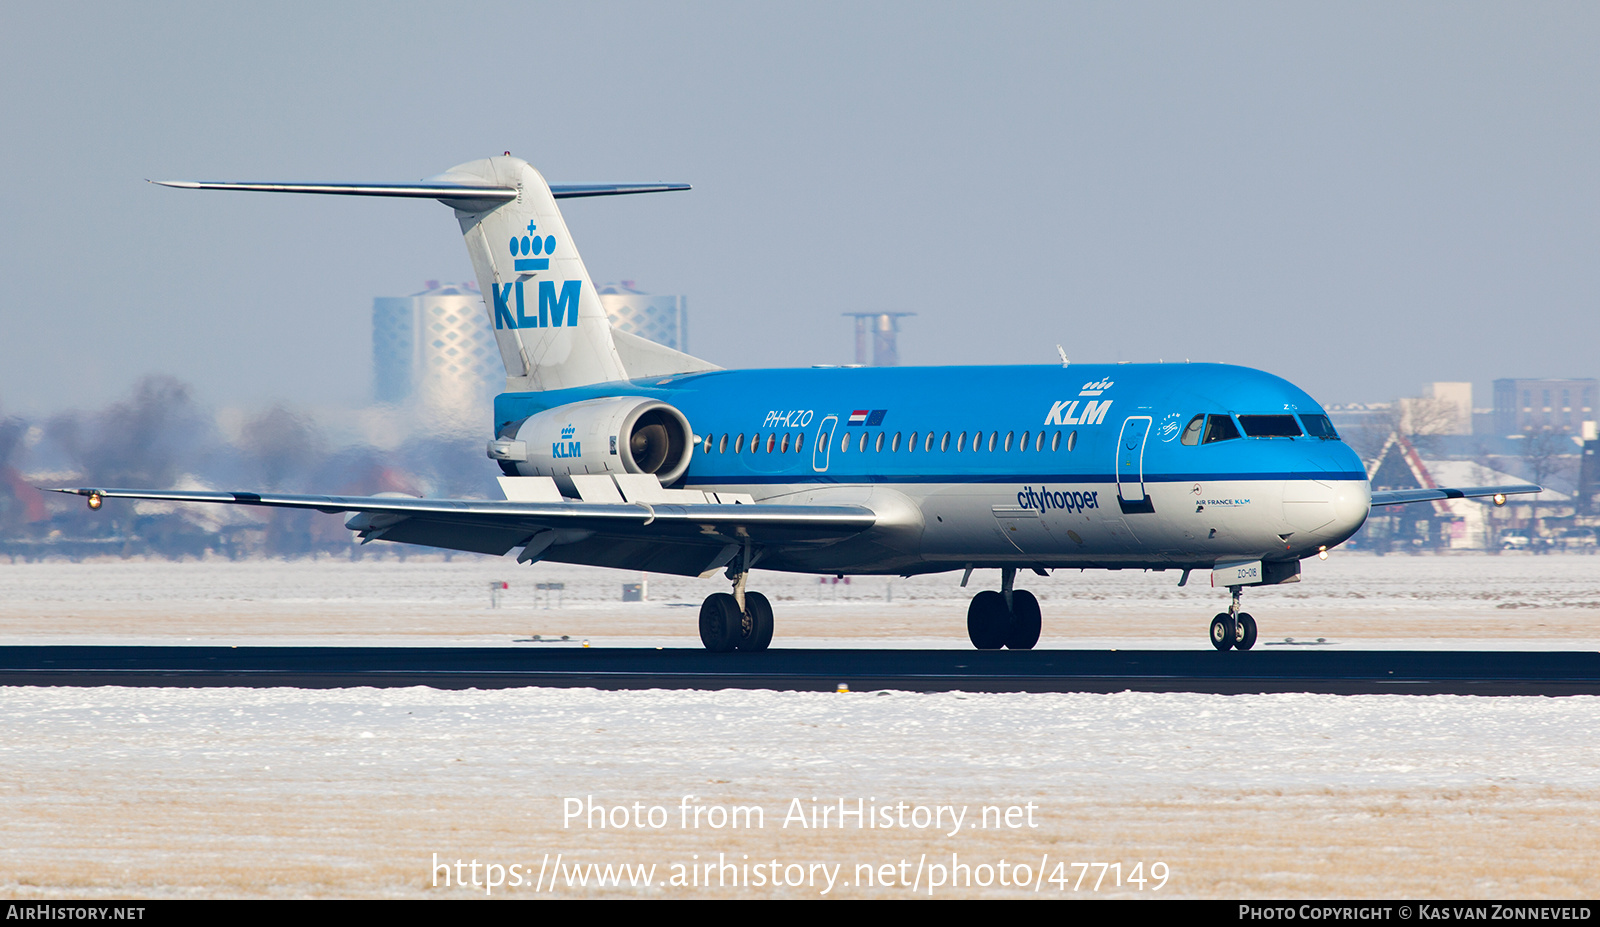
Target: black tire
{"points": [[1245, 637], [1220, 638], [719, 623], [1026, 621], [988, 622], [756, 628]]}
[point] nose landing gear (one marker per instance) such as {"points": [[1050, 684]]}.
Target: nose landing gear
{"points": [[1008, 618], [1233, 628]]}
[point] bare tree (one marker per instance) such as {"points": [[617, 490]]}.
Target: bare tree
{"points": [[1423, 419], [1546, 455], [282, 444]]}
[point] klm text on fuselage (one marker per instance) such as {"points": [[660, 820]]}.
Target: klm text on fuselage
{"points": [[1063, 412]]}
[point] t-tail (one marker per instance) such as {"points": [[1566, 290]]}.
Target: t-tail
{"points": [[546, 313]]}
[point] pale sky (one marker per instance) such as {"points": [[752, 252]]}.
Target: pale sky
{"points": [[1360, 198]]}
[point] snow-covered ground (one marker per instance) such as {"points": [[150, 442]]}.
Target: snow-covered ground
{"points": [[360, 792], [1508, 601]]}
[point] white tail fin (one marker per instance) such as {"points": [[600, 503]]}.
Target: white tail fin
{"points": [[545, 310], [547, 317]]}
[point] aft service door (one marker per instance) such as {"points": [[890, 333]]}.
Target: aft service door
{"points": [[824, 443], [1130, 465]]}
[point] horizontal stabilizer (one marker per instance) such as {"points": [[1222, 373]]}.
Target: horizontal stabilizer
{"points": [[1403, 496], [429, 191], [567, 191]]}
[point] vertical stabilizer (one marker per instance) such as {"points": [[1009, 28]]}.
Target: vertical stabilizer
{"points": [[546, 313]]}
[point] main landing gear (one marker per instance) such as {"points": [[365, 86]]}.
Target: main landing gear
{"points": [[741, 621], [1008, 618], [724, 626], [1233, 628]]}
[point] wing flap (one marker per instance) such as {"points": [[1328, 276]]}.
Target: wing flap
{"points": [[706, 525]]}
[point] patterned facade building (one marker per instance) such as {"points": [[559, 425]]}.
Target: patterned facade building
{"points": [[662, 319], [434, 350]]}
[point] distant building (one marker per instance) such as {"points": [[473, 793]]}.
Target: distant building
{"points": [[435, 350], [1561, 406], [882, 331], [1589, 471], [662, 319], [1449, 523], [1351, 416]]}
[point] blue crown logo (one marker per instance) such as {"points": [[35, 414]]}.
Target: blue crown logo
{"points": [[532, 244], [1095, 388], [568, 432]]}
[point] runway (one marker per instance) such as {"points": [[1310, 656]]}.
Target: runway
{"points": [[1231, 673]]}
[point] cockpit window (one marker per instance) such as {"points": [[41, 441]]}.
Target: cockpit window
{"points": [[1219, 428], [1318, 426], [1270, 426], [1191, 431]]}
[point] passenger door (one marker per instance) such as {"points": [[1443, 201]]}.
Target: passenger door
{"points": [[1130, 465]]}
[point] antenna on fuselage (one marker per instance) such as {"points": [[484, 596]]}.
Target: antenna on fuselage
{"points": [[1063, 352]]}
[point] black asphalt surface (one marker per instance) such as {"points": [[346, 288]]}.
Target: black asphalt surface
{"points": [[1346, 672]]}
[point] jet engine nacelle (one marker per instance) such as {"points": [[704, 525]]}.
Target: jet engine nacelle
{"points": [[623, 434]]}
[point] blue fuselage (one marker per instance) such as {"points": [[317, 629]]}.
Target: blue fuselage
{"points": [[1088, 465]]}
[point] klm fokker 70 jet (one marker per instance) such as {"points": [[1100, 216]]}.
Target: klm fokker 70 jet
{"points": [[619, 452]]}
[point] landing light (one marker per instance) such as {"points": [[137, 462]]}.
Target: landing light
{"points": [[1499, 498], [1322, 552], [96, 500]]}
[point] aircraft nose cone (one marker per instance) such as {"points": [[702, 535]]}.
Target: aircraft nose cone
{"points": [[1352, 499], [1326, 512]]}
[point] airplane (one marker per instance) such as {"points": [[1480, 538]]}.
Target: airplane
{"points": [[619, 452]]}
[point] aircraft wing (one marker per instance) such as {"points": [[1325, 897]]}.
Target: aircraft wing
{"points": [[1403, 496], [687, 539]]}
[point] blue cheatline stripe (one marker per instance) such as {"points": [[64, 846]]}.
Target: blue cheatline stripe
{"points": [[532, 264], [701, 479]]}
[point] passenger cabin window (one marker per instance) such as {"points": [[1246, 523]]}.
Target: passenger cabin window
{"points": [[722, 446], [1220, 428], [1270, 426], [799, 442], [1318, 426], [1191, 431], [738, 444]]}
